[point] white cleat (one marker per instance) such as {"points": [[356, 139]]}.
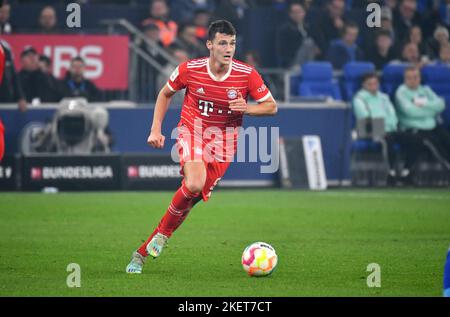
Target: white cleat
{"points": [[136, 264], [156, 245]]}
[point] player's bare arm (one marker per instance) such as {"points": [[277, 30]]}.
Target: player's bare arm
{"points": [[265, 108], [156, 139]]}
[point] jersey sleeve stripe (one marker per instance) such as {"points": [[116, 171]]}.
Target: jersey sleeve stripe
{"points": [[196, 66], [241, 71], [265, 97], [202, 60], [170, 87], [242, 67]]}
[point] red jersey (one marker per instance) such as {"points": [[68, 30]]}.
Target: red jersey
{"points": [[208, 97], [206, 102]]}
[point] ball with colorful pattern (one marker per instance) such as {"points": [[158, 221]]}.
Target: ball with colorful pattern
{"points": [[259, 259]]}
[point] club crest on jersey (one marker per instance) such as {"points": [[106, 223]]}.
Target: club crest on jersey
{"points": [[232, 94]]}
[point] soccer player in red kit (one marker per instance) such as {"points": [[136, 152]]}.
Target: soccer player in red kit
{"points": [[217, 89]]}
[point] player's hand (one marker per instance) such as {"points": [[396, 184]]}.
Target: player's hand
{"points": [[239, 104], [156, 140]]}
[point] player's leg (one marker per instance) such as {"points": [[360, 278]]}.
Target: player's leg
{"points": [[215, 172], [199, 182], [186, 213], [182, 202]]}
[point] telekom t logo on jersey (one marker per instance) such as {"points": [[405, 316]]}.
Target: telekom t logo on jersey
{"points": [[205, 106]]}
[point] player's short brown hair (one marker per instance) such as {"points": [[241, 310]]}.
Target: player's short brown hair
{"points": [[220, 26]]}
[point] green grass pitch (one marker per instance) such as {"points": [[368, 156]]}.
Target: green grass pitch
{"points": [[324, 241]]}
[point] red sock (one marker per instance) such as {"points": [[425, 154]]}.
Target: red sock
{"points": [[181, 204]]}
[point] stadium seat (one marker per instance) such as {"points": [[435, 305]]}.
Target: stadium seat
{"points": [[438, 78], [317, 81], [351, 81], [392, 77]]}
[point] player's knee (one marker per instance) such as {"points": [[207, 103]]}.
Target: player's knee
{"points": [[195, 186]]}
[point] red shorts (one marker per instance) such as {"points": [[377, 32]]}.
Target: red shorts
{"points": [[190, 149]]}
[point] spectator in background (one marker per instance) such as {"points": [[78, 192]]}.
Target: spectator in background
{"points": [[53, 91], [201, 21], [5, 12], [415, 36], [445, 13], [32, 79], [440, 38], [444, 56], [369, 39], [294, 45], [370, 102], [148, 73], [254, 59], [329, 25], [180, 56], [391, 4], [383, 53], [410, 54], [48, 21], [188, 41], [76, 85], [405, 17], [45, 64], [418, 108], [10, 88], [431, 17], [233, 11], [184, 11], [151, 32], [386, 22], [159, 16], [345, 49]]}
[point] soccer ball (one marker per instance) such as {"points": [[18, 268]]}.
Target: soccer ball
{"points": [[259, 259]]}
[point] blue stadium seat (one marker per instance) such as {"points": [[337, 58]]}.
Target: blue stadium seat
{"points": [[351, 81], [392, 77], [438, 78], [361, 145], [317, 81]]}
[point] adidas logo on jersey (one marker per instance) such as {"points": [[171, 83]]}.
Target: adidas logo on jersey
{"points": [[201, 91]]}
